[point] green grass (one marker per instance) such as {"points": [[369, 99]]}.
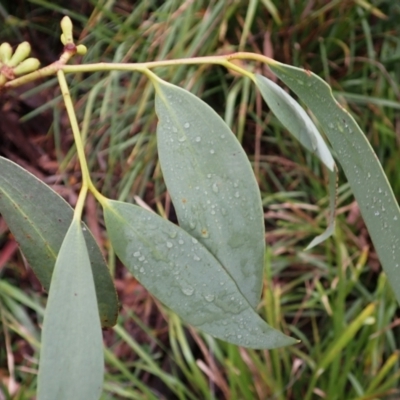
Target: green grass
{"points": [[334, 297]]}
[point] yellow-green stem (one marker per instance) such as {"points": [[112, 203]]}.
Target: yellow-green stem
{"points": [[216, 60]]}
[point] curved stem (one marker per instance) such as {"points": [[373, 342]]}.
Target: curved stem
{"points": [[86, 181]]}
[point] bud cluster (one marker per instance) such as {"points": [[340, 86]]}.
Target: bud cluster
{"points": [[17, 63]]}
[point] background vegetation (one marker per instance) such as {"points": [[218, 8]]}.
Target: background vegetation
{"points": [[334, 297]]}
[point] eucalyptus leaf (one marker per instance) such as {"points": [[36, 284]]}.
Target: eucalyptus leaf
{"points": [[39, 219], [177, 269], [299, 124], [71, 357], [212, 185], [294, 119], [366, 177]]}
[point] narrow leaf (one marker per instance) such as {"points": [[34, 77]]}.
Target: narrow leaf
{"points": [[71, 357], [294, 119], [367, 179], [212, 185], [300, 125], [39, 219], [178, 270]]}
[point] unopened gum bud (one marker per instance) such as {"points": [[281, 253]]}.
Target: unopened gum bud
{"points": [[23, 50], [5, 52], [66, 27], [26, 66]]}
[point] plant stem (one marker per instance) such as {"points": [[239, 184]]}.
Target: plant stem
{"points": [[224, 61]]}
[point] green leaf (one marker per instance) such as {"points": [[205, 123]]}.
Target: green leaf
{"points": [[71, 357], [299, 124], [39, 219], [177, 269], [294, 119], [367, 179], [212, 185]]}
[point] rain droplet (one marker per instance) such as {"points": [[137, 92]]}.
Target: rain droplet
{"points": [[182, 139], [188, 291], [223, 211], [212, 151], [194, 240], [215, 188], [222, 136], [237, 194], [198, 139], [380, 190], [192, 225], [180, 241], [196, 258], [209, 176], [239, 336], [136, 254], [209, 297], [186, 125], [141, 269], [174, 129], [169, 245], [141, 258], [395, 218], [376, 213]]}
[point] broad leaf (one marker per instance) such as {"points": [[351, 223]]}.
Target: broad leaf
{"points": [[39, 219], [300, 125], [178, 270], [367, 179], [71, 357], [212, 185]]}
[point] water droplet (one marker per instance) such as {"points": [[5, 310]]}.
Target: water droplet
{"points": [[215, 188], [380, 190], [395, 218], [196, 258], [141, 270], [330, 125], [376, 213], [209, 297], [141, 258], [182, 139], [192, 225], [174, 129], [186, 125], [169, 245], [180, 241], [212, 212], [212, 151], [194, 240], [237, 194], [188, 291], [222, 136], [198, 139], [223, 211], [209, 176], [136, 254], [239, 336], [84, 228]]}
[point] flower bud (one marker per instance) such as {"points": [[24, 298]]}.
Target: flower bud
{"points": [[81, 49], [63, 40], [26, 66], [66, 27], [23, 50], [5, 52]]}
